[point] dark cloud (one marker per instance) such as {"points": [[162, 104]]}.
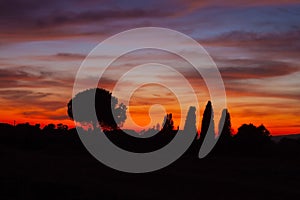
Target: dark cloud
{"points": [[246, 78], [52, 19], [70, 56], [288, 41], [22, 95], [236, 89], [96, 16], [44, 115], [150, 101], [234, 78], [15, 8], [20, 98], [16, 73], [58, 117], [192, 5], [33, 77], [249, 69], [35, 19]]}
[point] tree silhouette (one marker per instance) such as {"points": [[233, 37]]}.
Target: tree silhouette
{"points": [[190, 121], [225, 135], [158, 127], [49, 128], [190, 128], [168, 124], [30, 135], [250, 137], [110, 114], [224, 143], [62, 127], [208, 117]]}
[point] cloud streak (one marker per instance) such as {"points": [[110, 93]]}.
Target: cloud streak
{"points": [[256, 69], [30, 77]]}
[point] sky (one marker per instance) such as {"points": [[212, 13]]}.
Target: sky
{"points": [[255, 44]]}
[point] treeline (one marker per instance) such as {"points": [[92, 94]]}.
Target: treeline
{"points": [[249, 139], [33, 137]]}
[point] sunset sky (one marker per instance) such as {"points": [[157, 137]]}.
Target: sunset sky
{"points": [[255, 44]]}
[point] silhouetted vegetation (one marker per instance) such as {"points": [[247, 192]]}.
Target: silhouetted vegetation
{"points": [[225, 140], [207, 120], [190, 123], [225, 136], [251, 139], [110, 115], [168, 124], [57, 163]]}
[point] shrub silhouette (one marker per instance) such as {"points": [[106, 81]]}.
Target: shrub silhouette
{"points": [[110, 114]]}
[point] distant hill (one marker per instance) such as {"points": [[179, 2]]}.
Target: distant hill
{"points": [[277, 138]]}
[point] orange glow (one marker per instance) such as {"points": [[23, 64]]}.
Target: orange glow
{"points": [[242, 110], [150, 103]]}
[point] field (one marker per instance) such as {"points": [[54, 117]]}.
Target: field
{"points": [[68, 171]]}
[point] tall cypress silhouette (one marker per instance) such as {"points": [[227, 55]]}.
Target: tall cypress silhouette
{"points": [[190, 121], [190, 128], [208, 117], [225, 133]]}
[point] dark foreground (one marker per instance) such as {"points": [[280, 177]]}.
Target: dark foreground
{"points": [[68, 171]]}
